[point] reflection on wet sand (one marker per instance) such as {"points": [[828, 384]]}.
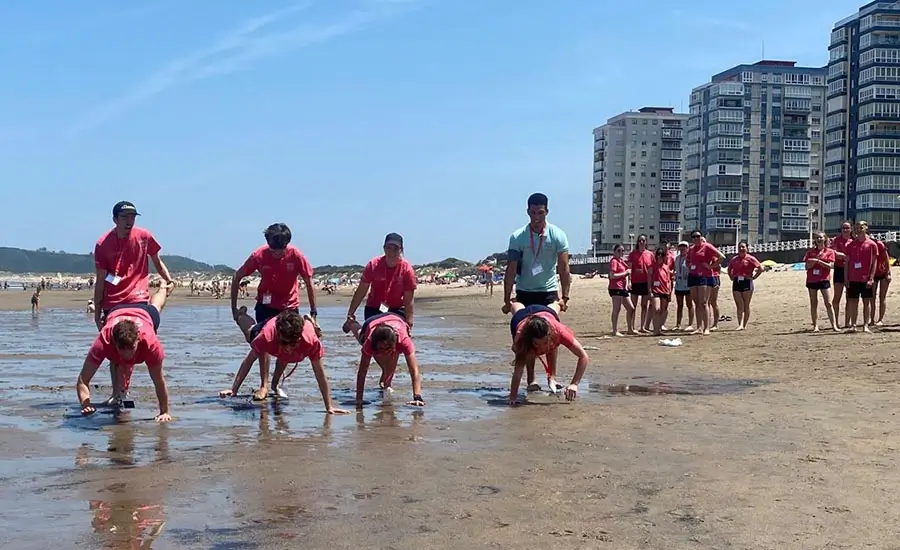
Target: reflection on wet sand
{"points": [[126, 523]]}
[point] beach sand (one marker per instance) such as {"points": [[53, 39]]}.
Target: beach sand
{"points": [[794, 447]]}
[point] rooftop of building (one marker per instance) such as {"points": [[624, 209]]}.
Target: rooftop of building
{"points": [[871, 7], [767, 65]]}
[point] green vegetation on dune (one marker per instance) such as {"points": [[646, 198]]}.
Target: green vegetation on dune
{"points": [[448, 264], [17, 260]]}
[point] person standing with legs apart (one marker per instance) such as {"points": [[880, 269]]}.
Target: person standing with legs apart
{"points": [[536, 253], [702, 258], [280, 266], [123, 274], [390, 283], [862, 261], [839, 245], [618, 291], [743, 269], [641, 261], [819, 261]]}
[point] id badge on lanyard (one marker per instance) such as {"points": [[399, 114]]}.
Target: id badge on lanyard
{"points": [[536, 267]]}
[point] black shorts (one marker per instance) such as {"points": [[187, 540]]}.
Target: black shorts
{"points": [[838, 275], [541, 298], [618, 292], [369, 312], [880, 277], [742, 286], [666, 297], [683, 292], [34, 301], [857, 290], [151, 311], [520, 316], [264, 314], [819, 285], [640, 289], [696, 280]]}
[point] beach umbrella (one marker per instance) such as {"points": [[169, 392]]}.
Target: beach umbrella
{"points": [[485, 268]]}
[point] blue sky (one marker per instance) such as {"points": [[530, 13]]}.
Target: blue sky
{"points": [[346, 119]]}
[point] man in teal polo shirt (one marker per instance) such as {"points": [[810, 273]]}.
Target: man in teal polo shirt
{"points": [[536, 253]]}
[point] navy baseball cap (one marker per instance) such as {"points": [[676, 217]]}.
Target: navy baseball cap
{"points": [[394, 239], [124, 207]]}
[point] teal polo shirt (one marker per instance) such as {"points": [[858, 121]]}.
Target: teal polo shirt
{"points": [[520, 250]]}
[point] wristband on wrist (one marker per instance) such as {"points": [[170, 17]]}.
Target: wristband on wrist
{"points": [[313, 311]]}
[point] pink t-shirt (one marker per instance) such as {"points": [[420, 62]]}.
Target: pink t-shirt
{"points": [[617, 266], [700, 257], [818, 273], [742, 266], [387, 285], [861, 256], [641, 262], [661, 278], [128, 259], [883, 265], [405, 344], [562, 335], [839, 244], [149, 349], [308, 345], [278, 276]]}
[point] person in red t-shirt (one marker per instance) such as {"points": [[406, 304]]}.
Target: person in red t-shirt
{"points": [[641, 260], [703, 258], [290, 338], [819, 262], [618, 291], [122, 271], [882, 282], [661, 288], [862, 262], [385, 337], [537, 332], [128, 338], [280, 266], [389, 281], [743, 269], [839, 245]]}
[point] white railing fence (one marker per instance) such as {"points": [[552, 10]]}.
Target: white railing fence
{"points": [[890, 236]]}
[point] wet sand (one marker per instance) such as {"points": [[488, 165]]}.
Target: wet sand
{"points": [[783, 439]]}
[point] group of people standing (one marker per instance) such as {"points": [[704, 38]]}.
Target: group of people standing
{"points": [[128, 317]]}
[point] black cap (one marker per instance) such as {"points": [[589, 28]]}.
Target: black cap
{"points": [[395, 239], [124, 207]]}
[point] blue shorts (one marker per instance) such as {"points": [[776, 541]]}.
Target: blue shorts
{"points": [[694, 280], [151, 311], [520, 316]]}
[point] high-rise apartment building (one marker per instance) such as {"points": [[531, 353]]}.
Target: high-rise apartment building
{"points": [[637, 177], [753, 153], [862, 124]]}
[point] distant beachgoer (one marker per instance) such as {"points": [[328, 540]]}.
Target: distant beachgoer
{"points": [[660, 288], [819, 262], [839, 245], [128, 337], [743, 269], [537, 252], [618, 291], [882, 282], [384, 337], [702, 259], [862, 262], [388, 284], [537, 331], [36, 300], [682, 290], [290, 338], [90, 307], [122, 271], [280, 266], [641, 261]]}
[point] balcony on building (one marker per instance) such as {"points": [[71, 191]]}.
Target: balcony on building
{"points": [[596, 227], [838, 36], [794, 122], [883, 129], [881, 24], [796, 106], [670, 196], [669, 228], [598, 166], [796, 225], [725, 183], [598, 186], [670, 185], [669, 206], [794, 198]]}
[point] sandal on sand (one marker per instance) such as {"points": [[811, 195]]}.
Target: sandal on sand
{"points": [[533, 387]]}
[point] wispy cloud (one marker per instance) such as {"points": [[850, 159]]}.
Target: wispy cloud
{"points": [[237, 50]]}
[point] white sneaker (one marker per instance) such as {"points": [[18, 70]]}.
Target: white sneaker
{"points": [[281, 393]]}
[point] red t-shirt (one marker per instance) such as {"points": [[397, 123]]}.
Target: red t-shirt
{"points": [[617, 266], [861, 255], [562, 335], [670, 260], [641, 262], [839, 243], [308, 345], [128, 260], [819, 273], [883, 265], [388, 284], [278, 276], [742, 268], [700, 257], [404, 342], [149, 349], [661, 278]]}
